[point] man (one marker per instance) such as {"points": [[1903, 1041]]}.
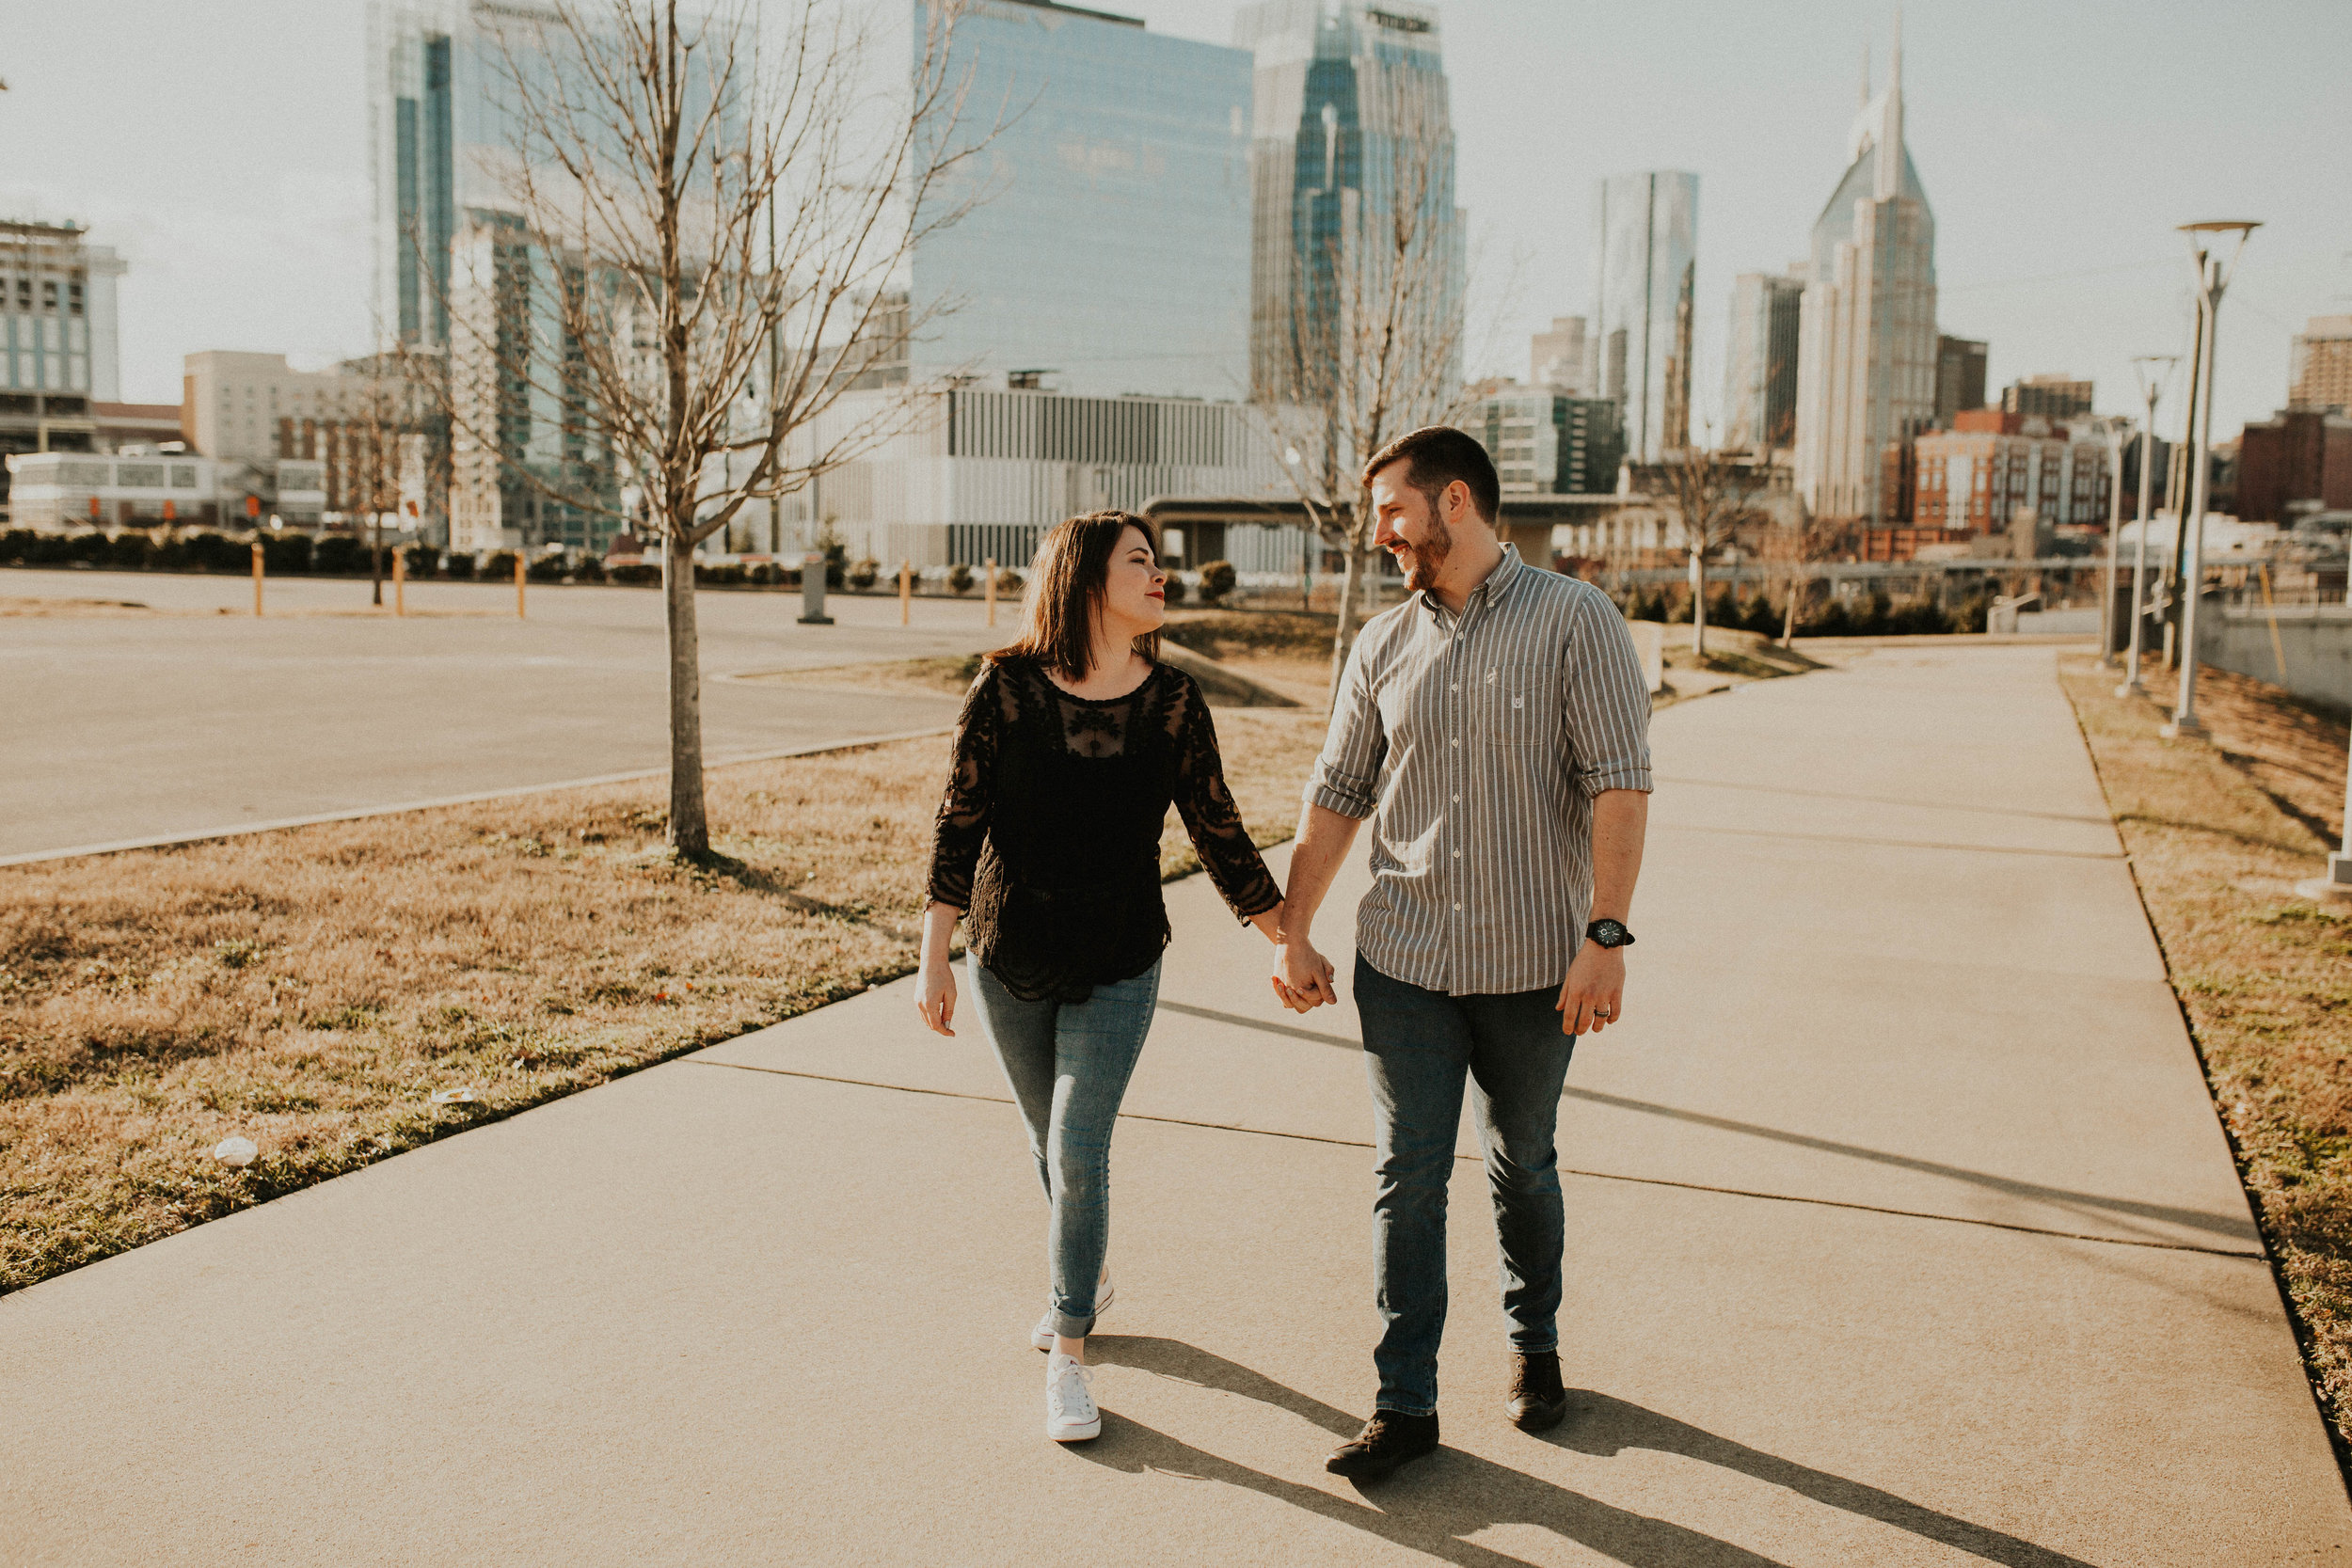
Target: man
{"points": [[1495, 728]]}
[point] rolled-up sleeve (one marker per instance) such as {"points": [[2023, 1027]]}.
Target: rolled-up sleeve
{"points": [[1346, 775], [1607, 701]]}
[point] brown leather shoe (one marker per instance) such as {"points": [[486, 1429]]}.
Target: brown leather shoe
{"points": [[1388, 1439], [1537, 1401]]}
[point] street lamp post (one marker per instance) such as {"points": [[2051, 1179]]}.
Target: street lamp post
{"points": [[2151, 387], [2114, 431], [2213, 277]]}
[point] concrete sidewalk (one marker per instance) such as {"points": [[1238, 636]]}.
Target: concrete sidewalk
{"points": [[1902, 1232]]}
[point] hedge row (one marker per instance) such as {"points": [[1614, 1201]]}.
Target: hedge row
{"points": [[1876, 616]]}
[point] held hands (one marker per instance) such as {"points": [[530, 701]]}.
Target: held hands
{"points": [[1593, 997], [1303, 978]]}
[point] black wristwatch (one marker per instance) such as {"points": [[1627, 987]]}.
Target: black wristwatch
{"points": [[1609, 933]]}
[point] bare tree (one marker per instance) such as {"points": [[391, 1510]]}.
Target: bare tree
{"points": [[706, 251], [1373, 344], [1712, 494], [383, 411], [1788, 550]]}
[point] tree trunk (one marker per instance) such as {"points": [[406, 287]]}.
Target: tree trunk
{"points": [[1698, 605], [1789, 625], [689, 826], [375, 558], [1343, 634]]}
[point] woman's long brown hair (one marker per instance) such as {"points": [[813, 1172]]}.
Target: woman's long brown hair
{"points": [[1067, 582]]}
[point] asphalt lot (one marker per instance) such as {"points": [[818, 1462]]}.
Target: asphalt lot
{"points": [[132, 726]]}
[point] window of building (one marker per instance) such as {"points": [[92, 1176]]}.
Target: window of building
{"points": [[48, 293], [73, 298]]}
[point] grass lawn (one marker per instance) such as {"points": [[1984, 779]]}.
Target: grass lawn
{"points": [[335, 993], [2218, 834]]}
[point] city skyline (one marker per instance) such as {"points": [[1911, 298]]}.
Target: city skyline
{"points": [[2058, 176]]}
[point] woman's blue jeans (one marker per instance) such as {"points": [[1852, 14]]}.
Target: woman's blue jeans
{"points": [[1424, 1048], [1067, 1064]]}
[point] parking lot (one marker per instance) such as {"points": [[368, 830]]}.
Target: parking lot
{"points": [[190, 716]]}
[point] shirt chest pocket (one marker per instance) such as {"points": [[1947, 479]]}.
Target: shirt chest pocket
{"points": [[1517, 705]]}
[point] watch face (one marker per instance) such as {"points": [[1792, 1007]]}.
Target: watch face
{"points": [[1609, 933]]}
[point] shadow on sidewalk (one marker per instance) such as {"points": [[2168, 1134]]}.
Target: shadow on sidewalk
{"points": [[1431, 1506]]}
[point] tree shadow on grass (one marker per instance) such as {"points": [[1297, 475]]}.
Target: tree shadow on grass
{"points": [[1431, 1506]]}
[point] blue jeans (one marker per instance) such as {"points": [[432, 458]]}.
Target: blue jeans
{"points": [[1420, 1046], [1067, 1064]]}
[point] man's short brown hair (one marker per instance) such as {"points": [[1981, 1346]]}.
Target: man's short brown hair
{"points": [[1435, 457]]}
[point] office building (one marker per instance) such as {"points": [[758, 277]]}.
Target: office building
{"points": [[59, 349], [1110, 251], [2319, 366], [1974, 478], [1544, 442], [2299, 460], [2053, 397], [1644, 262], [981, 473], [1349, 116], [234, 405], [55, 492], [1866, 340], [1958, 377], [1555, 358], [1760, 363]]}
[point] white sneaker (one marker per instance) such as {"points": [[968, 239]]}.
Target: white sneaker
{"points": [[1071, 1415], [1105, 1293]]}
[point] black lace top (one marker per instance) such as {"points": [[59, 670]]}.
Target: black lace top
{"points": [[1049, 836]]}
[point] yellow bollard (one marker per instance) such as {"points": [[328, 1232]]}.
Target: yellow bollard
{"points": [[399, 580], [990, 566], [257, 579], [519, 585], [906, 592]]}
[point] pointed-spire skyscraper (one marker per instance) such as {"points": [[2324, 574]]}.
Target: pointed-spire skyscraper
{"points": [[1866, 337]]}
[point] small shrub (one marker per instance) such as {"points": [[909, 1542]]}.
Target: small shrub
{"points": [[339, 553], [1009, 583], [17, 543], [1216, 580], [862, 575], [960, 577], [1175, 589], [548, 568], [423, 560], [633, 570], [89, 549], [209, 552], [286, 553], [589, 570], [499, 567], [1762, 615], [130, 549], [726, 575], [458, 565], [1723, 609]]}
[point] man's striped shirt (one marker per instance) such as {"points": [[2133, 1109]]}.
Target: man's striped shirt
{"points": [[1476, 743]]}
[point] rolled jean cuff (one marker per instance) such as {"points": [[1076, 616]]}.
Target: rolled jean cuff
{"points": [[1071, 1327], [1546, 1344], [1398, 1407]]}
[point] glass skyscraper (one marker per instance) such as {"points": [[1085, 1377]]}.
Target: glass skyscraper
{"points": [[1109, 247], [1760, 363], [1867, 338], [1351, 116], [1645, 255]]}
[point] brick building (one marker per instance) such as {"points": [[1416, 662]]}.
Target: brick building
{"points": [[1971, 480], [2053, 397], [2299, 455]]}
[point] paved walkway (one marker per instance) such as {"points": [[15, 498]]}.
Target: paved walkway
{"points": [[195, 721], [1902, 1232]]}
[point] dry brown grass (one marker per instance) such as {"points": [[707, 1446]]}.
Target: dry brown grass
{"points": [[314, 988], [2218, 835]]}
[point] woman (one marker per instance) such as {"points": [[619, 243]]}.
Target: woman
{"points": [[1072, 743]]}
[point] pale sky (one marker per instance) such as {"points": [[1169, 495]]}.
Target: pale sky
{"points": [[222, 148]]}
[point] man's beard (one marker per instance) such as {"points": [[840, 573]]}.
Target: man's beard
{"points": [[1423, 562]]}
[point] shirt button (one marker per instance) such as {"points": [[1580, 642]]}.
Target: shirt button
{"points": [[1457, 909], [1458, 854], [1456, 687], [1457, 799], [1455, 742]]}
